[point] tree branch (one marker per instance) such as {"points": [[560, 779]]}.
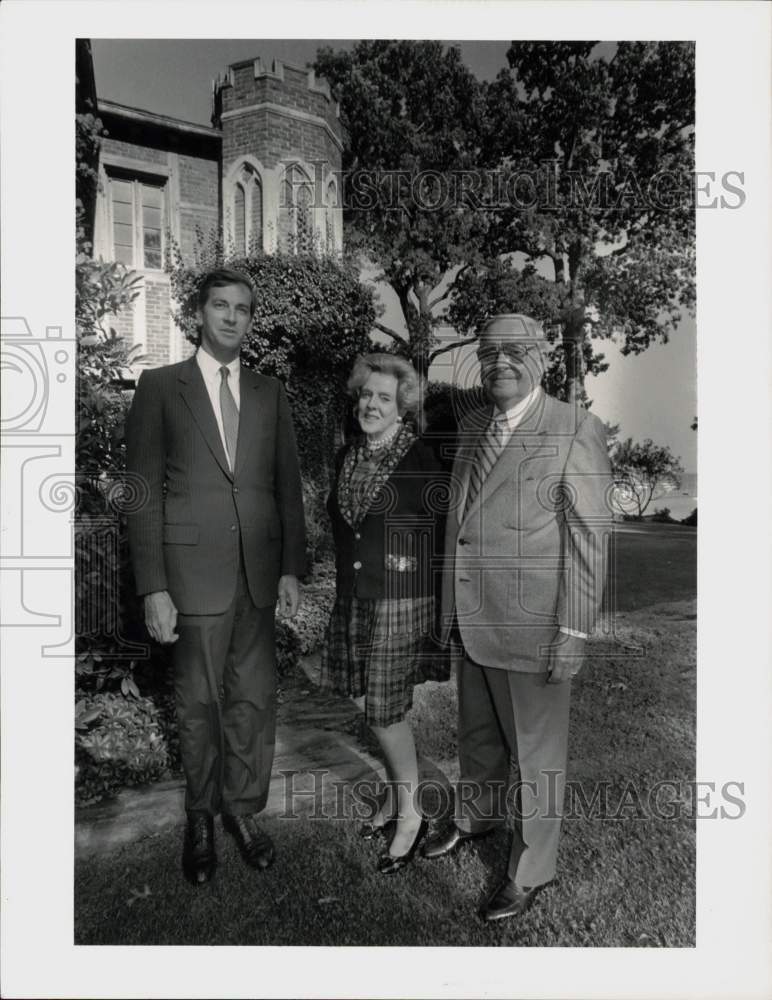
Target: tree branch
{"points": [[451, 347], [617, 250], [450, 289], [391, 333]]}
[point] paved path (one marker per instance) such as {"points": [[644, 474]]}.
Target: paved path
{"points": [[320, 750]]}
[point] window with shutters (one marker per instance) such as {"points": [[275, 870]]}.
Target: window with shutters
{"points": [[137, 220]]}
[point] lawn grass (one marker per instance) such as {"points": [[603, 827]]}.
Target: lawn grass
{"points": [[625, 879], [323, 890], [653, 563]]}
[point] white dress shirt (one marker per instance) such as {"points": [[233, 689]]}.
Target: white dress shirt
{"points": [[513, 417], [210, 370], [516, 413]]}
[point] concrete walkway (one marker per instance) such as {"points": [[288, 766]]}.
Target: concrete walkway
{"points": [[320, 750]]}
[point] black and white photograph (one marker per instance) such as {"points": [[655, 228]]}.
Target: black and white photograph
{"points": [[351, 504]]}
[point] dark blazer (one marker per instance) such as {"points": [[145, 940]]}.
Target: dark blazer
{"points": [[393, 552], [530, 553], [184, 537]]}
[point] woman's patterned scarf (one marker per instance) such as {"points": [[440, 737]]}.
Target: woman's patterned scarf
{"points": [[355, 503]]}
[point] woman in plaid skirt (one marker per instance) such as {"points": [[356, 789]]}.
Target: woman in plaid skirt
{"points": [[384, 509]]}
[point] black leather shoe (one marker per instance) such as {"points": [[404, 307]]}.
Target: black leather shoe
{"points": [[198, 855], [369, 831], [255, 845], [449, 841], [509, 900], [388, 864]]}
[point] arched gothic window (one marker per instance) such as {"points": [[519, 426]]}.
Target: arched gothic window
{"points": [[240, 220], [329, 217], [305, 219], [296, 212], [247, 210], [256, 229]]}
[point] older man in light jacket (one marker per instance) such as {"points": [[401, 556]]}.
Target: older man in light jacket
{"points": [[526, 554]]}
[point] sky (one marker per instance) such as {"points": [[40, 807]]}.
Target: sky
{"points": [[651, 395]]}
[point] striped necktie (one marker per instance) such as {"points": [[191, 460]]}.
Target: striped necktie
{"points": [[230, 417], [490, 446]]}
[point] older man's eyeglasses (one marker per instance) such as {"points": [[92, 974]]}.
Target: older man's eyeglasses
{"points": [[488, 354]]}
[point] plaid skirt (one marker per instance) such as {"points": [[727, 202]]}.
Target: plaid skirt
{"points": [[381, 649]]}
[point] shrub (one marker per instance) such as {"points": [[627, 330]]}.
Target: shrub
{"points": [[104, 593], [661, 515], [691, 520], [119, 742], [445, 406], [311, 621], [287, 649], [318, 529]]}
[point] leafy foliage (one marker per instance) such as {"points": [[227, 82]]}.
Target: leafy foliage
{"points": [[102, 289], [605, 135], [287, 648], [310, 623], [615, 132], [445, 406], [118, 742], [643, 471], [103, 586], [303, 634], [412, 112], [118, 735]]}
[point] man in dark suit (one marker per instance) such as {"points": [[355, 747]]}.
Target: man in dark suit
{"points": [[219, 537], [525, 552]]}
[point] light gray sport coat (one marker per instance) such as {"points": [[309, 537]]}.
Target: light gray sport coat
{"points": [[530, 553]]}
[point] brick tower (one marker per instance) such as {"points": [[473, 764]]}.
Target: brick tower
{"points": [[281, 159]]}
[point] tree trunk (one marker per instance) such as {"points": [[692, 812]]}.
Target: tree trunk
{"points": [[573, 335], [573, 329]]}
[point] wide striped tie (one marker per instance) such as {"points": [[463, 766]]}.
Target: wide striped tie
{"points": [[485, 457], [230, 417]]}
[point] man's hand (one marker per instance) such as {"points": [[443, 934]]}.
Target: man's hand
{"points": [[289, 596], [161, 616], [565, 657]]}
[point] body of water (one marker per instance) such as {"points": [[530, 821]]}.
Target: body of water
{"points": [[680, 502]]}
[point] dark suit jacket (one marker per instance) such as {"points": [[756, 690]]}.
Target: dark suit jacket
{"points": [[530, 553], [392, 552], [185, 536]]}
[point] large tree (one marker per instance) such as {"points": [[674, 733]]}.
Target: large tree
{"points": [[413, 114], [642, 473], [596, 144], [562, 189]]}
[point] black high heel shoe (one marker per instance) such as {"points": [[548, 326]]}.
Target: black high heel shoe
{"points": [[388, 864], [369, 830]]}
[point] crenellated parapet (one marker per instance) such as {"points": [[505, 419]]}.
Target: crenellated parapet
{"points": [[282, 142]]}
